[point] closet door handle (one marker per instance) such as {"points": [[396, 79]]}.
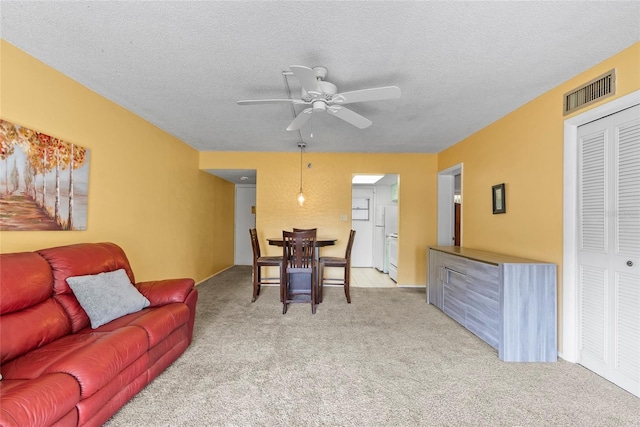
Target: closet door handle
{"points": [[629, 263]]}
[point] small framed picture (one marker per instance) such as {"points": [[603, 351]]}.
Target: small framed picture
{"points": [[498, 197]]}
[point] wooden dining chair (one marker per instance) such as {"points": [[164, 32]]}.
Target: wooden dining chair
{"points": [[298, 276], [316, 249], [327, 261], [260, 261]]}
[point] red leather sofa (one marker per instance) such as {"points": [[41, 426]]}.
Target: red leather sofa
{"points": [[56, 369]]}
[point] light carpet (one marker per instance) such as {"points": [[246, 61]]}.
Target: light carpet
{"points": [[386, 359]]}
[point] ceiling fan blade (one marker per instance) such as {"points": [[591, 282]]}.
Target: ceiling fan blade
{"points": [[349, 116], [271, 101], [300, 119], [363, 95], [307, 78]]}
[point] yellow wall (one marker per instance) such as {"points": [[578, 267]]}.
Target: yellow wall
{"points": [[327, 186], [146, 192], [525, 151]]}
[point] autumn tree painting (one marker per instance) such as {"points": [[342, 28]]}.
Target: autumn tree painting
{"points": [[43, 181]]}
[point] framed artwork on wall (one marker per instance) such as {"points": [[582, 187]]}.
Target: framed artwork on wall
{"points": [[498, 197], [44, 181]]}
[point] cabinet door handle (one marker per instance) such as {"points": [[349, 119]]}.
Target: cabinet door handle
{"points": [[444, 276], [456, 272]]}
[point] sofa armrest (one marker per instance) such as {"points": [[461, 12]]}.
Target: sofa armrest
{"points": [[162, 292]]}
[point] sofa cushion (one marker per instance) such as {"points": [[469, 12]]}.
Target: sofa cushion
{"points": [[157, 322], [79, 260], [94, 359], [25, 280], [30, 317], [91, 410], [84, 258], [38, 402], [33, 327], [107, 296]]}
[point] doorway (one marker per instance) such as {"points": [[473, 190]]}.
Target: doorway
{"points": [[374, 216], [245, 184], [245, 218], [450, 213], [457, 215], [608, 346], [457, 209]]}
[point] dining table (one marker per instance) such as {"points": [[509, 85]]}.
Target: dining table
{"points": [[320, 242]]}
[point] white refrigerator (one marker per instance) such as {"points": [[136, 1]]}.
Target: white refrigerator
{"points": [[386, 222]]}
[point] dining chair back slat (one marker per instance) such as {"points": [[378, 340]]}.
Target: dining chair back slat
{"points": [[298, 277]]}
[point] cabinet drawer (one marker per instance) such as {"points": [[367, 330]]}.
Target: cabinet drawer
{"points": [[483, 317], [453, 303], [483, 278], [454, 262], [487, 307], [483, 326]]}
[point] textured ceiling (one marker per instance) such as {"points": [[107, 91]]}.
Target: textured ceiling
{"points": [[183, 65]]}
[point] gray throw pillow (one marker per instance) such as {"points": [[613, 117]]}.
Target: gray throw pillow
{"points": [[107, 296]]}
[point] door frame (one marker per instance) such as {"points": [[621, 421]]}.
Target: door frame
{"points": [[371, 190], [570, 321], [240, 229], [446, 190]]}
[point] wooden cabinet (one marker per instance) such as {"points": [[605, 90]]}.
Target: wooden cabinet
{"points": [[508, 302], [434, 290]]}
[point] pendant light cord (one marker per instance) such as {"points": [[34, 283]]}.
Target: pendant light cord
{"points": [[301, 147], [301, 144]]}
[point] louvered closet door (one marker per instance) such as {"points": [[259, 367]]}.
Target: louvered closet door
{"points": [[609, 247]]}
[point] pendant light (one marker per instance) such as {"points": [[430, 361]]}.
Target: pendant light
{"points": [[301, 194]]}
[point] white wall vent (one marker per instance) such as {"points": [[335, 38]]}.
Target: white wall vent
{"points": [[593, 91]]}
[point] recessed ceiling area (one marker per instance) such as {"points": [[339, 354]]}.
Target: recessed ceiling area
{"points": [[366, 178], [183, 65], [235, 176]]}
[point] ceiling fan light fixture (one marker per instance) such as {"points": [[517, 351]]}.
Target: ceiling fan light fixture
{"points": [[319, 106]]}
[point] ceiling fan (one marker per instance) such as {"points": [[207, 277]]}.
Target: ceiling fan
{"points": [[322, 96]]}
